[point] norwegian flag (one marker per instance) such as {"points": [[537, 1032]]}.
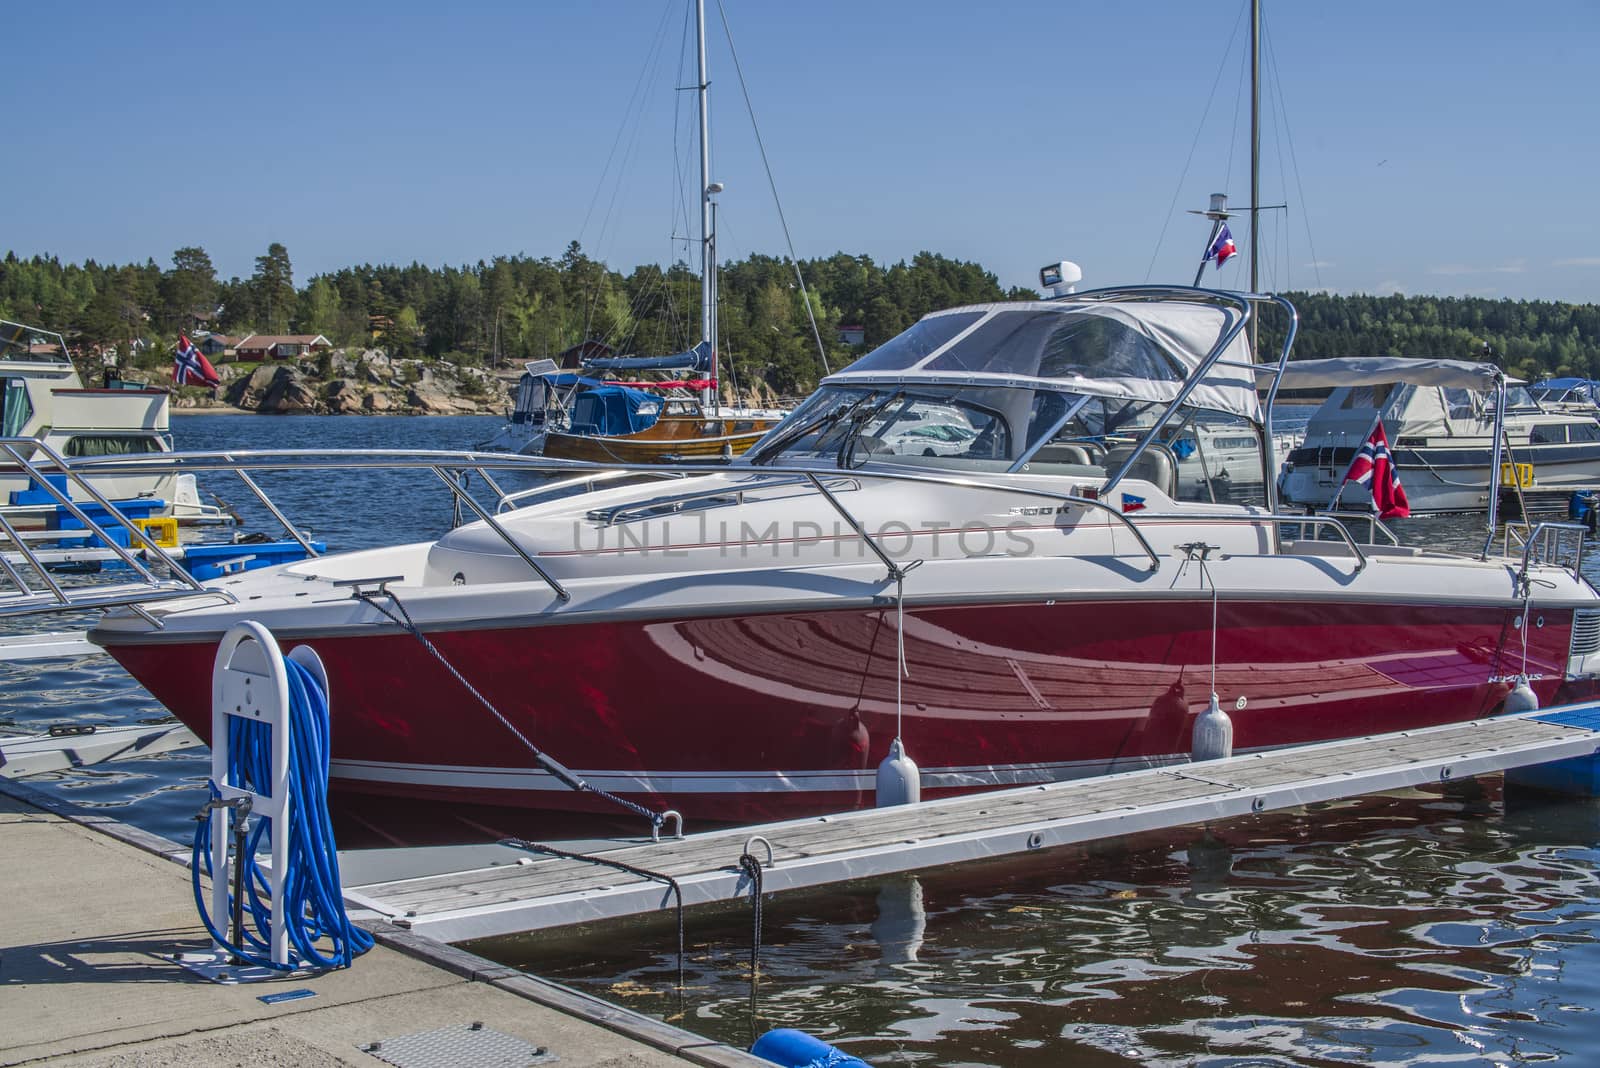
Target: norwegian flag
{"points": [[1374, 468], [190, 366], [1222, 248]]}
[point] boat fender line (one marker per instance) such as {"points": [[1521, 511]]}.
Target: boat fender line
{"points": [[1522, 698], [1212, 736], [643, 873], [899, 780], [549, 763], [312, 889], [796, 1049]]}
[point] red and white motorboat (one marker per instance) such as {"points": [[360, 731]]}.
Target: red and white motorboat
{"points": [[727, 644]]}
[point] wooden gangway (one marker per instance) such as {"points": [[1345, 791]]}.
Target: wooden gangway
{"points": [[529, 892]]}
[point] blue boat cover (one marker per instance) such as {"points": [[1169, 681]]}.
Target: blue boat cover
{"points": [[696, 359], [612, 410]]}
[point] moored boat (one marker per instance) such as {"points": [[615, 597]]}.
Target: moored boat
{"points": [[1449, 425], [43, 397], [1063, 601]]}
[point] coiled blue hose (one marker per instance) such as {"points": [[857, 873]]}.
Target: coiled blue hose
{"points": [[313, 898]]}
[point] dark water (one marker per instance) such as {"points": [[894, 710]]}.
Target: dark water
{"points": [[1417, 928]]}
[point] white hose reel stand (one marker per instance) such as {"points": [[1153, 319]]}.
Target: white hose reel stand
{"points": [[249, 680]]}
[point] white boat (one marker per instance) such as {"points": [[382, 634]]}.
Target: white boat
{"points": [[542, 402], [1442, 420], [749, 642], [1580, 395], [43, 398]]}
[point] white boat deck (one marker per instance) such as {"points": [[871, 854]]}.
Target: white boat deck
{"points": [[537, 892]]}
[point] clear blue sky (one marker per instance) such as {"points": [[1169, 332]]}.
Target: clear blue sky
{"points": [[1442, 147]]}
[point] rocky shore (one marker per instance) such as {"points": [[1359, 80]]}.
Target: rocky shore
{"points": [[352, 382]]}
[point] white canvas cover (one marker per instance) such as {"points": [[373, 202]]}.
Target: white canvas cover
{"points": [[1381, 370], [1184, 332], [1420, 408]]}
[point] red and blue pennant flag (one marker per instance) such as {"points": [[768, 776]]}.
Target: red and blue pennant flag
{"points": [[190, 366], [1130, 503], [1374, 468], [1223, 248]]}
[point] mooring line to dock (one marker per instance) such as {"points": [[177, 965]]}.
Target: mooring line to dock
{"points": [[752, 868], [547, 762], [631, 869]]}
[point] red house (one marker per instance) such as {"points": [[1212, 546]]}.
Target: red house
{"points": [[281, 346]]}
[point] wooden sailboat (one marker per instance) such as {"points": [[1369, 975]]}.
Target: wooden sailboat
{"points": [[685, 429]]}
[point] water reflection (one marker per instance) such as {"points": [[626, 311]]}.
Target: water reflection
{"points": [[1402, 929]]}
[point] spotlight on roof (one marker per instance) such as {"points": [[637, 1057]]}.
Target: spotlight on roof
{"points": [[1061, 278]]}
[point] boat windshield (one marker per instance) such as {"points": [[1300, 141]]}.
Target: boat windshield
{"points": [[1199, 455], [982, 428]]}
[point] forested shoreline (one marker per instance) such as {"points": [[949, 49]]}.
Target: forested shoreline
{"points": [[503, 311]]}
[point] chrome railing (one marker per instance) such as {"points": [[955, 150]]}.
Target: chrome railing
{"points": [[37, 460], [449, 466], [1543, 545]]}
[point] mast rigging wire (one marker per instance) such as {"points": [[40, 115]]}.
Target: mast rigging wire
{"points": [[773, 185], [1199, 130], [1294, 160]]}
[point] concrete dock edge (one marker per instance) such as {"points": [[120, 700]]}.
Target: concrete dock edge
{"points": [[645, 1031]]}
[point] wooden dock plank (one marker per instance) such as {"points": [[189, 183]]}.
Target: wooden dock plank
{"points": [[810, 852]]}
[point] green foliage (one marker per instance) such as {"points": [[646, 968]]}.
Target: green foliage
{"points": [[273, 287], [517, 308]]}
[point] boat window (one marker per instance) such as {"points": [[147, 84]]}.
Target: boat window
{"points": [[1589, 431], [1204, 456], [961, 426], [1461, 403], [1547, 435], [111, 445], [16, 409], [1518, 397], [1052, 344], [1371, 397], [910, 347]]}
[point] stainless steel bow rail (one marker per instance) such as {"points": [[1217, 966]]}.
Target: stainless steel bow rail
{"points": [[19, 597], [707, 867], [454, 469]]}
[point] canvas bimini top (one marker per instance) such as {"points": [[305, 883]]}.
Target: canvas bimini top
{"points": [[1382, 370], [1136, 350], [1429, 398]]}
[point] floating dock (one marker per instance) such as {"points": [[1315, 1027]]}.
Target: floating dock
{"points": [[530, 892], [94, 911]]}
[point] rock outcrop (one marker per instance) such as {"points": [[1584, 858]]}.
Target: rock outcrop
{"points": [[364, 382]]}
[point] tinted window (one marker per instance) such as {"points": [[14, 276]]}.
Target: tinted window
{"points": [[110, 445], [1547, 435], [911, 347], [1052, 344], [1583, 432]]}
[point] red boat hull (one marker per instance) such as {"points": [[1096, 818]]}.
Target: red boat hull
{"points": [[760, 717]]}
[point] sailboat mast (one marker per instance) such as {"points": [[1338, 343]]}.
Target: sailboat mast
{"points": [[1255, 155], [708, 311], [1255, 159]]}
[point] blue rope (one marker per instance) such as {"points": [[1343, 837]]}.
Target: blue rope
{"points": [[313, 897]]}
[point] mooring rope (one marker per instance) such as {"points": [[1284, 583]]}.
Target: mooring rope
{"points": [[752, 868], [631, 869], [547, 762]]}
